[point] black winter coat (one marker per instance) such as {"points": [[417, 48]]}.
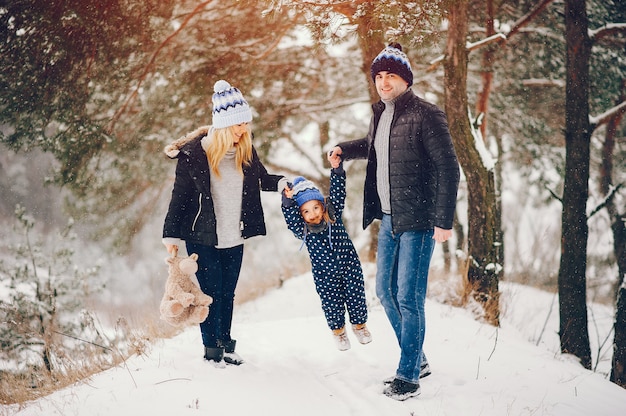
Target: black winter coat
{"points": [[191, 216], [423, 167]]}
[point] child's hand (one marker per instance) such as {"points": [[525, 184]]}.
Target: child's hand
{"points": [[334, 156], [288, 192]]}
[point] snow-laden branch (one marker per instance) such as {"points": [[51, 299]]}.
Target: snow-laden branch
{"points": [[607, 30], [493, 38], [543, 82], [603, 118], [485, 156], [470, 46]]}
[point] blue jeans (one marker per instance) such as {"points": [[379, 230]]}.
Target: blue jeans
{"points": [[401, 281], [218, 273]]}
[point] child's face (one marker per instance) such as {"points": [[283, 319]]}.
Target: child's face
{"points": [[312, 211]]}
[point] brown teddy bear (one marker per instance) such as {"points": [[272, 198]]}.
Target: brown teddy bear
{"points": [[183, 302]]}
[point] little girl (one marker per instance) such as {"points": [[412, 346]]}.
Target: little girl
{"points": [[336, 267]]}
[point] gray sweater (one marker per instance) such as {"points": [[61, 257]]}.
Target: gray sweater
{"points": [[226, 192]]}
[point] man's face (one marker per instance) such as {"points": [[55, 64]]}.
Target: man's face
{"points": [[390, 85]]}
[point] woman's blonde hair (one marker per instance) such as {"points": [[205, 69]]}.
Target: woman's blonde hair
{"points": [[222, 140]]}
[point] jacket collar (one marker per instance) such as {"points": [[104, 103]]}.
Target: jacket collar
{"points": [[400, 102]]}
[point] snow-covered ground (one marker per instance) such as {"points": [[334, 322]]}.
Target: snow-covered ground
{"points": [[292, 367]]}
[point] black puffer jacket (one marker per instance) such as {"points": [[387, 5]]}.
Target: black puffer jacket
{"points": [[423, 168], [191, 216]]}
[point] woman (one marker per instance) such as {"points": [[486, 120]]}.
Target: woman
{"points": [[215, 206]]}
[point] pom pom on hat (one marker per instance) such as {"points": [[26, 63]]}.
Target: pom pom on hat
{"points": [[392, 59], [304, 191], [229, 106]]}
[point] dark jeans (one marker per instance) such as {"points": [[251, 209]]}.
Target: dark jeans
{"points": [[218, 273]]}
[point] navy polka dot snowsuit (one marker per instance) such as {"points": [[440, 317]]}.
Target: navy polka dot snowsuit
{"points": [[337, 271]]}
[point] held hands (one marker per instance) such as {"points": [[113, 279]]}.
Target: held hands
{"points": [[288, 192], [334, 157]]}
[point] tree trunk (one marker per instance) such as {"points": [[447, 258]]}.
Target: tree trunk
{"points": [[483, 244], [618, 367], [573, 332], [482, 107], [486, 71], [371, 42]]}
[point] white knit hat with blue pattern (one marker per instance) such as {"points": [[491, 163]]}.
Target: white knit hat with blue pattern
{"points": [[229, 106]]}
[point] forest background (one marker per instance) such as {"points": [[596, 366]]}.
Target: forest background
{"points": [[92, 92]]}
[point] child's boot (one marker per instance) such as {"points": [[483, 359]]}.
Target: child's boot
{"points": [[341, 339], [362, 333]]}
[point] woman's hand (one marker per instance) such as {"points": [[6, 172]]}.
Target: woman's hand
{"points": [[172, 249]]}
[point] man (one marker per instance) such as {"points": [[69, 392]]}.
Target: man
{"points": [[411, 185]]}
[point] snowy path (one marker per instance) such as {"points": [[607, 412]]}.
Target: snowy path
{"points": [[293, 368]]}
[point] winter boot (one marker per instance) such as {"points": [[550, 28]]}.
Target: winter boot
{"points": [[341, 339], [215, 356], [402, 390], [424, 372], [230, 356], [362, 333]]}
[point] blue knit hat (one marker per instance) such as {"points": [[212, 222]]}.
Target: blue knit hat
{"points": [[229, 106], [304, 191], [392, 59]]}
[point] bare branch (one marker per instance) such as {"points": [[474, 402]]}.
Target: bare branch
{"points": [[131, 97], [528, 17], [554, 195], [606, 200]]}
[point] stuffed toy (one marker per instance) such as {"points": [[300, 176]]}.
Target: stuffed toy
{"points": [[183, 302]]}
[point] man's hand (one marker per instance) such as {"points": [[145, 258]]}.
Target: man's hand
{"points": [[334, 157], [441, 235]]}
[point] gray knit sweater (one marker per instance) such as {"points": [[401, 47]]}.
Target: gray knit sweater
{"points": [[381, 145], [226, 193]]}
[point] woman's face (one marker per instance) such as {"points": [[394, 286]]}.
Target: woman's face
{"points": [[239, 130], [312, 211]]}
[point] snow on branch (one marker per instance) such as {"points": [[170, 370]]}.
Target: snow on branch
{"points": [[485, 156], [607, 30], [493, 38], [543, 82], [470, 46], [607, 115]]}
